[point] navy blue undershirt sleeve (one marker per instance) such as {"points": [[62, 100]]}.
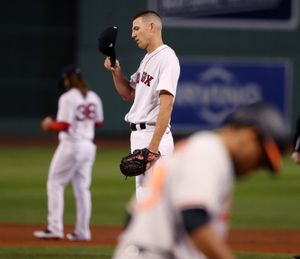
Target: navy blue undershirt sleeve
{"points": [[194, 218]]}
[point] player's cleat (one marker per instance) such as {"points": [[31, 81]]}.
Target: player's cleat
{"points": [[74, 237], [46, 234], [296, 257]]}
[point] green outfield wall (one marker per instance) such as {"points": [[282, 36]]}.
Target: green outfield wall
{"points": [[39, 37]]}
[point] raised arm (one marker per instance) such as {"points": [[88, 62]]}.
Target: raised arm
{"points": [[121, 82]]}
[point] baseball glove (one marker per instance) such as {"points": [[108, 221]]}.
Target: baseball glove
{"points": [[138, 162]]}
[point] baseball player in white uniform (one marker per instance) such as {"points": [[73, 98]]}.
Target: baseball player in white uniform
{"points": [[186, 213], [79, 112], [153, 89]]}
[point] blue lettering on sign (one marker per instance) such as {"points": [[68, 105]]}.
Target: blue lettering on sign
{"points": [[208, 91]]}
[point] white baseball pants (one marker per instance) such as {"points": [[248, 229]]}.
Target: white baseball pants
{"points": [[140, 139], [71, 162]]}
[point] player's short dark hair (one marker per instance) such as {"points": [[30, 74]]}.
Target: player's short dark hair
{"points": [[145, 13]]}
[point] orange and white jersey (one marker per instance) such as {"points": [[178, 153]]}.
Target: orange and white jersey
{"points": [[81, 113], [158, 71], [198, 175]]}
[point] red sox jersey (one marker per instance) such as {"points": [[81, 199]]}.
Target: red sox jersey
{"points": [[199, 175], [81, 113], [159, 70]]}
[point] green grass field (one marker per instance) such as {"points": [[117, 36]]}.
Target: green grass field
{"points": [[261, 201]]}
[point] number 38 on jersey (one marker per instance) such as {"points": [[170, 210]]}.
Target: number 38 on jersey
{"points": [[86, 112]]}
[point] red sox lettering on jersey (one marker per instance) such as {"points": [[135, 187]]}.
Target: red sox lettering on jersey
{"points": [[146, 78], [158, 71]]}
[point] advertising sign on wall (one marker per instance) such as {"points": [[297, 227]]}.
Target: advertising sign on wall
{"points": [[259, 14], [209, 90]]}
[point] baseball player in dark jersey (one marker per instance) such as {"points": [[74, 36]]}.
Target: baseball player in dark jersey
{"points": [[296, 154], [296, 144]]}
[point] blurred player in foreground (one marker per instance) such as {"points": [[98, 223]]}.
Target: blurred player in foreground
{"points": [[79, 112], [186, 214]]}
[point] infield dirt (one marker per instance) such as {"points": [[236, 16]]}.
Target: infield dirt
{"points": [[267, 241]]}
